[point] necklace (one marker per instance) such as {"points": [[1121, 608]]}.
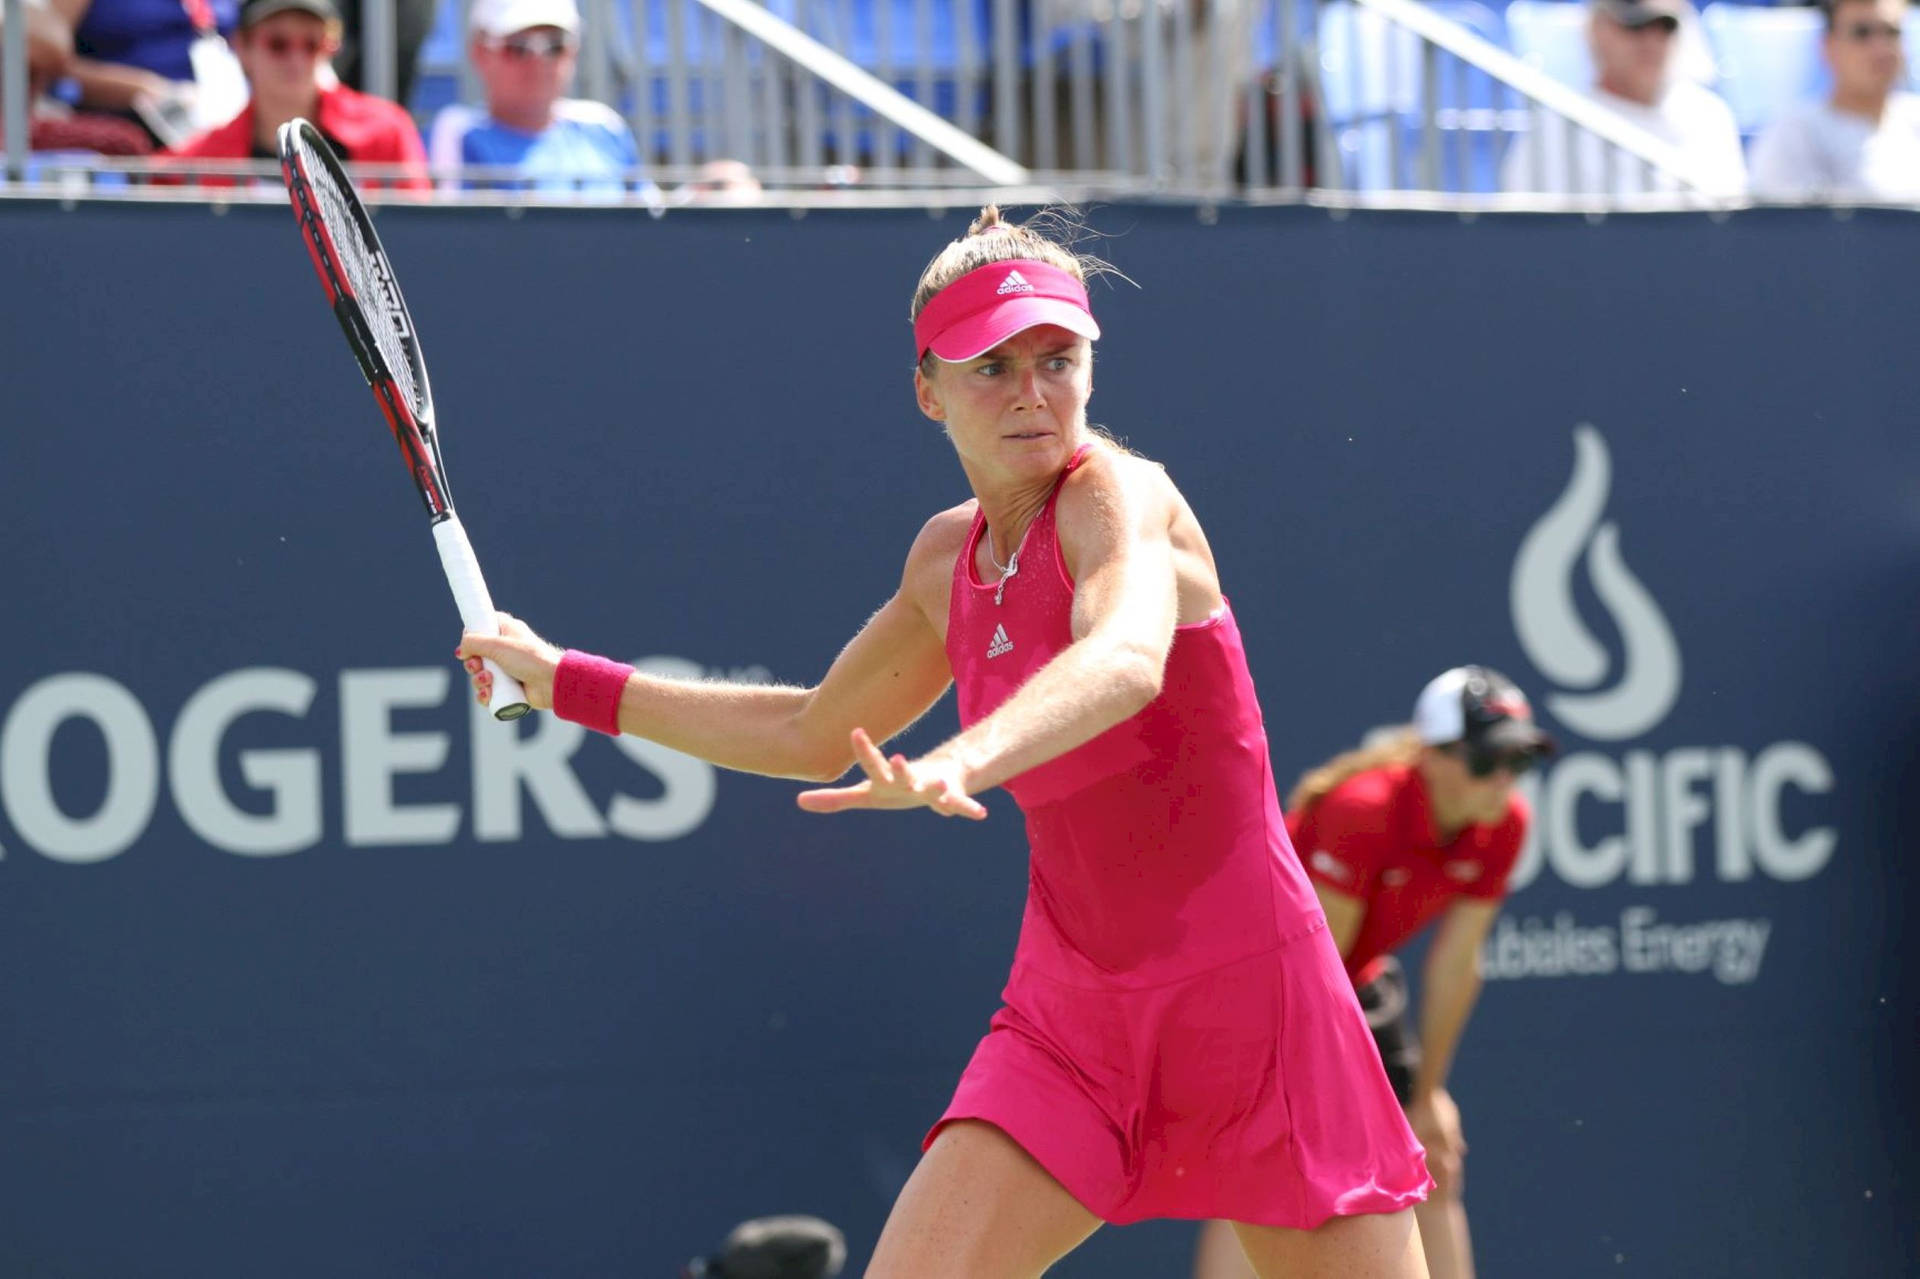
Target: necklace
{"points": [[1011, 567]]}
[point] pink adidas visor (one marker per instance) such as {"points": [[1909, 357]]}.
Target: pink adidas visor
{"points": [[989, 304]]}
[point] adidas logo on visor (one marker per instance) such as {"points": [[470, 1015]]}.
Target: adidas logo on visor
{"points": [[1014, 283]]}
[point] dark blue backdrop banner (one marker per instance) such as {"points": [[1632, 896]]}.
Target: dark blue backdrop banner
{"points": [[308, 972]]}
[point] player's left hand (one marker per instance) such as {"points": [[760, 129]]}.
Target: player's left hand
{"points": [[1435, 1120], [897, 782]]}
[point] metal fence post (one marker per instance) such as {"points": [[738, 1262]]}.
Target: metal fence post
{"points": [[378, 62], [13, 83]]}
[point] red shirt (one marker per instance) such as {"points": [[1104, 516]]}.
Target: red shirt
{"points": [[369, 130], [1372, 837]]}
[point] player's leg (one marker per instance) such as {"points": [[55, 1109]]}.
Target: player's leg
{"points": [[1217, 1254], [1369, 1246], [1443, 1217], [1349, 1149], [1443, 1228], [978, 1207]]}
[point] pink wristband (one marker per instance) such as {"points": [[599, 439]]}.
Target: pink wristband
{"points": [[586, 690]]}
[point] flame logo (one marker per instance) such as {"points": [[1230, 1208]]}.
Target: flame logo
{"points": [[1549, 626]]}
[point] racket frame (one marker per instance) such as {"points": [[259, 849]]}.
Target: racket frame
{"points": [[412, 428]]}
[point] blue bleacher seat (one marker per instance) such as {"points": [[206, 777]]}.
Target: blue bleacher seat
{"points": [[952, 39], [645, 43], [1769, 60], [1371, 77], [853, 28], [436, 81], [444, 46], [1266, 27]]}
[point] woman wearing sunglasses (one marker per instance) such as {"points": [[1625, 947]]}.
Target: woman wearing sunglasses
{"points": [[1424, 824]]}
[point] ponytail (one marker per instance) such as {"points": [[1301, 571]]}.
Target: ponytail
{"points": [[1400, 746]]}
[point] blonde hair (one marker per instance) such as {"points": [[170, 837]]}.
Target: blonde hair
{"points": [[1401, 746], [990, 238]]}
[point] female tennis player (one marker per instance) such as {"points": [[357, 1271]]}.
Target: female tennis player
{"points": [[1424, 824], [1178, 1038]]}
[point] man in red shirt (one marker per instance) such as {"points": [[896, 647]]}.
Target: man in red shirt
{"points": [[285, 46], [1423, 825]]}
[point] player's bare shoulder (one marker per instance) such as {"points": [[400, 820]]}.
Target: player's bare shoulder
{"points": [[1125, 496], [1117, 488], [928, 574], [944, 534]]}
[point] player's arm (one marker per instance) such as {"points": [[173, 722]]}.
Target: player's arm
{"points": [[1115, 527], [49, 44], [109, 85], [1115, 521], [883, 680], [1345, 913], [886, 677], [1451, 987]]}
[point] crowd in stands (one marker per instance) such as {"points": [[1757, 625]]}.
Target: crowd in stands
{"points": [[1635, 44], [206, 80], [1862, 142], [197, 81]]}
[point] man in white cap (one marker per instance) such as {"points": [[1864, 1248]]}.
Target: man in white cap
{"points": [[1634, 43], [525, 53]]}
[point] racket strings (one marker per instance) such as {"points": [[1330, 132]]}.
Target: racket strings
{"points": [[369, 279]]}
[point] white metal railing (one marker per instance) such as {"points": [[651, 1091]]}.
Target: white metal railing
{"points": [[658, 189], [1498, 102], [13, 86], [842, 75], [1209, 98]]}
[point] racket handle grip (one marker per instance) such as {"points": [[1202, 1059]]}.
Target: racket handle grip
{"points": [[509, 700]]}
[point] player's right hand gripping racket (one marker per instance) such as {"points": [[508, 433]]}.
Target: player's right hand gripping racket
{"points": [[366, 300]]}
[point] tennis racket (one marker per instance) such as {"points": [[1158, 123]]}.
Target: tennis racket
{"points": [[366, 299]]}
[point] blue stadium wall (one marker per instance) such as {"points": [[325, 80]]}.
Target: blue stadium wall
{"points": [[305, 971]]}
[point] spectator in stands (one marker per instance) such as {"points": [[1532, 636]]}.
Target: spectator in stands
{"points": [[285, 46], [525, 53], [54, 126], [49, 44], [1863, 143], [163, 63], [720, 182], [1633, 44], [1421, 825]]}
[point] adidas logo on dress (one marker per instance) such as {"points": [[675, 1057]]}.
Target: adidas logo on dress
{"points": [[1014, 283], [1000, 643]]}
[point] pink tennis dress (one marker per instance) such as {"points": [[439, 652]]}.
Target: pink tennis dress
{"points": [[1179, 1038]]}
